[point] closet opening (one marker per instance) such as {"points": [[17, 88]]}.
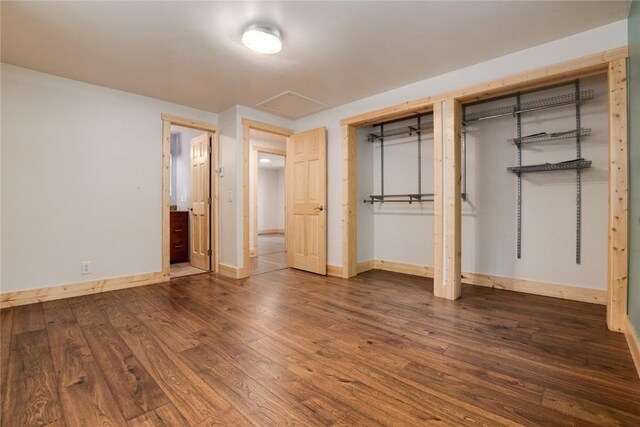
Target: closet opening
{"points": [[535, 163], [395, 185]]}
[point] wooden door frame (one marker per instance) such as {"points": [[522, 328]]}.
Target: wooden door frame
{"points": [[247, 125], [254, 183], [447, 169], [167, 121]]}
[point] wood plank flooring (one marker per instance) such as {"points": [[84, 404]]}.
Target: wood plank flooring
{"points": [[292, 348]]}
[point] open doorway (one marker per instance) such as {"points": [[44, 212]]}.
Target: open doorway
{"points": [[267, 222], [189, 201]]}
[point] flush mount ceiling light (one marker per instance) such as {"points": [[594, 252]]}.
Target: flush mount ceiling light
{"points": [[262, 39], [265, 160]]}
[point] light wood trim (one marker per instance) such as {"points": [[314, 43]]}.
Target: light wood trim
{"points": [[30, 296], [399, 267], [574, 293], [247, 125], [453, 201], [288, 203], [215, 217], [438, 202], [246, 187], [271, 231], [189, 123], [253, 248], [633, 339], [350, 203], [334, 270], [618, 189], [266, 127], [270, 150], [581, 67], [366, 266], [229, 271], [166, 155]]}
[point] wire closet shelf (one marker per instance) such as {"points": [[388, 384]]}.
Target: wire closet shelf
{"points": [[553, 136], [535, 105], [545, 167]]}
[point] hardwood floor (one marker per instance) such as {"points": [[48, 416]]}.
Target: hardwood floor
{"points": [[288, 347], [271, 254]]}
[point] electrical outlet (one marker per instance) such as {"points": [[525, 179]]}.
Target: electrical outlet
{"points": [[85, 267]]}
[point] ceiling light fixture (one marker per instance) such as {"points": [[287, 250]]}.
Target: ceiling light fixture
{"points": [[262, 39], [265, 160]]}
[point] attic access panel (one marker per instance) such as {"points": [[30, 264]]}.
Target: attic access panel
{"points": [[291, 104]]}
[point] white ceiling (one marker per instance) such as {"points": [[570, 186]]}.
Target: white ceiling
{"points": [[334, 52]]}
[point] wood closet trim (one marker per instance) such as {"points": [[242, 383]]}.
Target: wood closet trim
{"points": [[610, 62]]}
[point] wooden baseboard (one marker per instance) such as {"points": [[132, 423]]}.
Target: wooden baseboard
{"points": [[595, 296], [633, 339], [555, 290], [272, 231], [229, 271], [365, 266], [334, 270], [30, 296], [398, 267]]}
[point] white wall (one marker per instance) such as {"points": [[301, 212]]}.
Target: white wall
{"points": [[81, 180], [597, 40], [270, 199]]}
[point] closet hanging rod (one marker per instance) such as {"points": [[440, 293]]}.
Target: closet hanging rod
{"points": [[405, 130], [403, 119], [399, 198]]}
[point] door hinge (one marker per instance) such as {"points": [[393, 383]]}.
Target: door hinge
{"points": [[209, 200], [209, 252]]}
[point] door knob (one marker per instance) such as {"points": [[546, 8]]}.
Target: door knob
{"points": [[319, 208]]}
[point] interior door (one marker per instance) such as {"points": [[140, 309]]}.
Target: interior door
{"points": [[199, 245], [307, 196]]}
